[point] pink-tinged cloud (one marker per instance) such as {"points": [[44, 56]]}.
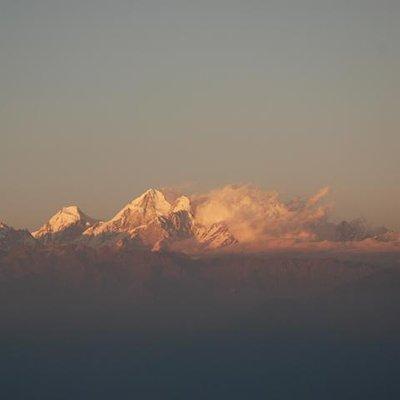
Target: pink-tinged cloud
{"points": [[255, 215], [319, 195]]}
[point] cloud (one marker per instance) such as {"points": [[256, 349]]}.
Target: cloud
{"points": [[255, 215], [319, 195]]}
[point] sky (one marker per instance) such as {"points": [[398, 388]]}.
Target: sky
{"points": [[100, 100]]}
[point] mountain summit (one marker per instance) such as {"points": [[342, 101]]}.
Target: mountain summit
{"points": [[67, 224], [152, 221], [258, 220]]}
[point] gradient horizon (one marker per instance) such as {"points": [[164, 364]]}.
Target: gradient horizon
{"points": [[100, 101]]}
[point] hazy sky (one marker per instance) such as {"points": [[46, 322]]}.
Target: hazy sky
{"points": [[101, 99]]}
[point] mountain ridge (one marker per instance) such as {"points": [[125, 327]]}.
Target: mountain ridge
{"points": [[67, 224], [156, 223], [231, 219]]}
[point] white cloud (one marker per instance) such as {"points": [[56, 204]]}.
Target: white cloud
{"points": [[254, 215]]}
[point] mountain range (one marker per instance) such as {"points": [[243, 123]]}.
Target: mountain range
{"points": [[149, 221], [184, 258], [233, 219]]}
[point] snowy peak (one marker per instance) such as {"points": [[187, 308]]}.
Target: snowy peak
{"points": [[151, 201], [150, 205], [137, 214], [182, 204], [151, 220], [70, 221], [68, 216], [215, 236]]}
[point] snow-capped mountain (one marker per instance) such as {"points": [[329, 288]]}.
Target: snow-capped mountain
{"points": [[10, 237], [135, 215], [222, 218], [154, 222], [215, 236], [67, 224]]}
